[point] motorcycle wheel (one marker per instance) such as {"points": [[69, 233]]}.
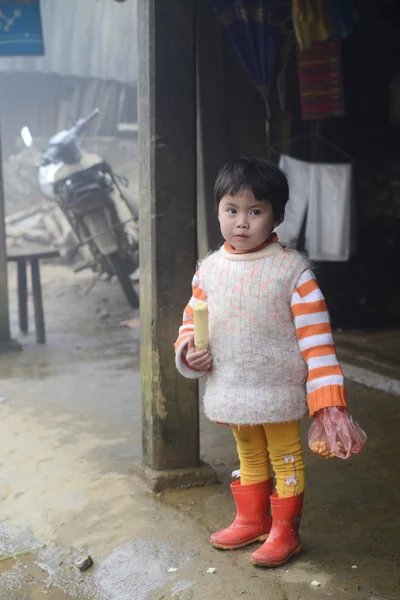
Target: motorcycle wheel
{"points": [[121, 272]]}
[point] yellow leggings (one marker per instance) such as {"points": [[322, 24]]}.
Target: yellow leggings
{"points": [[277, 443]]}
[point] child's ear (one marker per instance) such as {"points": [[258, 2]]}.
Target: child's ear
{"points": [[276, 223]]}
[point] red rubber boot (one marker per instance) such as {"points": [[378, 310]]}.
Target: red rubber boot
{"points": [[284, 540], [253, 519]]}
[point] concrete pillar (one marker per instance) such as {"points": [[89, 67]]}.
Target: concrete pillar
{"points": [[168, 241]]}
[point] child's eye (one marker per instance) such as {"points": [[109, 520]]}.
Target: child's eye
{"points": [[256, 211], [231, 211]]}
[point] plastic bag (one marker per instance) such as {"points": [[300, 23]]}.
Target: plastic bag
{"points": [[334, 433]]}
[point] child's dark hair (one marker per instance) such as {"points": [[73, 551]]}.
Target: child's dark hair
{"points": [[264, 179]]}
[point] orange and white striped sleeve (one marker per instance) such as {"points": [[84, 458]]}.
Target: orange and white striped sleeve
{"points": [[325, 381], [187, 330]]}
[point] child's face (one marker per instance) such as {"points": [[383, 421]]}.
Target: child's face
{"points": [[245, 222]]}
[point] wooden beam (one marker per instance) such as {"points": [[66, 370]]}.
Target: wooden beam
{"points": [[4, 316], [22, 296], [167, 190]]}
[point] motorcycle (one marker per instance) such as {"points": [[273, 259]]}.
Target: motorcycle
{"points": [[88, 192]]}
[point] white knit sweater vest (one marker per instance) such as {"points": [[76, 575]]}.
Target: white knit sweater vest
{"points": [[258, 373]]}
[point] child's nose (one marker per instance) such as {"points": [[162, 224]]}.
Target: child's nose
{"points": [[242, 221]]}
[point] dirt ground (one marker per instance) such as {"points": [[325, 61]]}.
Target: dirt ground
{"points": [[70, 431]]}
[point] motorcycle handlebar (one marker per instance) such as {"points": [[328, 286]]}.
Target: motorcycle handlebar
{"points": [[82, 123]]}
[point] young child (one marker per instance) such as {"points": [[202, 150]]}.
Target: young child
{"points": [[270, 354]]}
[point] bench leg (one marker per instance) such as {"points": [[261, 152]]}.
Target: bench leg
{"points": [[37, 299], [22, 296]]}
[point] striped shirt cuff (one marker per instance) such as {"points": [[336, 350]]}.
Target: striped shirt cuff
{"points": [[326, 397]]}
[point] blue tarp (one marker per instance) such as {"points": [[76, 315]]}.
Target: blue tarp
{"points": [[21, 28]]}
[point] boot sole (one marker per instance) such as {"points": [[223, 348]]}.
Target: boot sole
{"points": [[261, 538], [283, 562]]}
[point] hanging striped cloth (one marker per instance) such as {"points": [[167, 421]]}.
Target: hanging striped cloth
{"points": [[321, 80]]}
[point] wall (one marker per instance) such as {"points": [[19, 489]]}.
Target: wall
{"points": [[84, 38], [49, 103]]}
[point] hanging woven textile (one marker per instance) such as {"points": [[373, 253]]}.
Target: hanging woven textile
{"points": [[320, 26], [320, 80]]}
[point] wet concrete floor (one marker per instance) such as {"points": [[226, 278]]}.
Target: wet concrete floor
{"points": [[70, 430], [377, 350]]}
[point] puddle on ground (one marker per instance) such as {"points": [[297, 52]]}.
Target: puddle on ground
{"points": [[133, 571], [22, 574], [25, 577]]}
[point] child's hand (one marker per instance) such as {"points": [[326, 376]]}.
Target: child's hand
{"points": [[200, 361], [334, 433]]}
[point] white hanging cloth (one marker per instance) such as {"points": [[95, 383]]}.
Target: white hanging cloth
{"points": [[298, 174], [325, 191], [329, 212]]}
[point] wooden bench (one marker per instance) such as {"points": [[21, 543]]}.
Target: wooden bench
{"points": [[33, 257]]}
